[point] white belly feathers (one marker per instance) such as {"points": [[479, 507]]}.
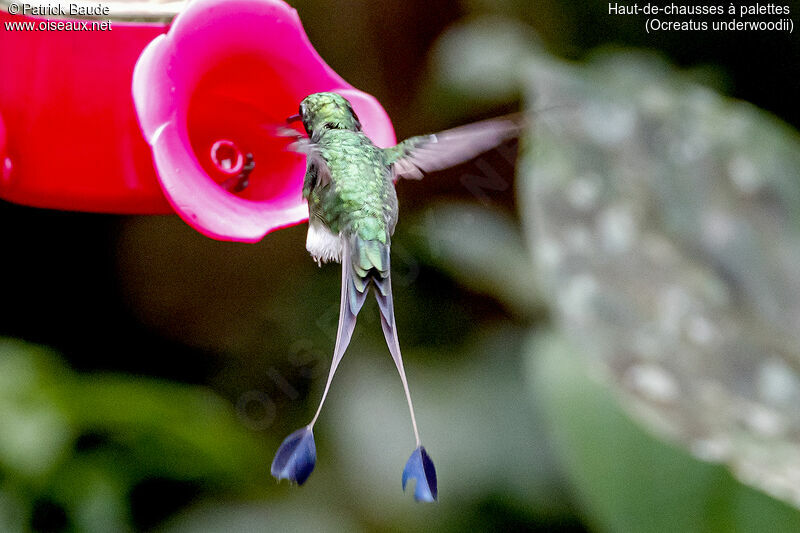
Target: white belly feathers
{"points": [[323, 245]]}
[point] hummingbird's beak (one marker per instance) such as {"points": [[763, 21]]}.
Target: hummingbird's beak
{"points": [[293, 118]]}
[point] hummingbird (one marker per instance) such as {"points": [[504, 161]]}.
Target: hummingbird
{"points": [[353, 210]]}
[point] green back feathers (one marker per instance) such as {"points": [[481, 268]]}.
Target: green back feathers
{"points": [[356, 195], [360, 198]]}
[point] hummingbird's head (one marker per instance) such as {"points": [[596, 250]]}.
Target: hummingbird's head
{"points": [[321, 111]]}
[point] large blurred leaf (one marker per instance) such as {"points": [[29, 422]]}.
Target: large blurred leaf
{"points": [[175, 430], [248, 518], [484, 250], [627, 480], [482, 59], [34, 433], [664, 222]]}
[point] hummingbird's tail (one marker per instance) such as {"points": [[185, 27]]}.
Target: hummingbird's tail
{"points": [[364, 263], [350, 304], [383, 293]]}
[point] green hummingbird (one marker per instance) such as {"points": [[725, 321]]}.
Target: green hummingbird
{"points": [[353, 210]]}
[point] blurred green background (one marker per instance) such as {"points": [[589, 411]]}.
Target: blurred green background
{"points": [[148, 374]]}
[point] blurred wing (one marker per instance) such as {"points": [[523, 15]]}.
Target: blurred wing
{"points": [[427, 153], [318, 173]]}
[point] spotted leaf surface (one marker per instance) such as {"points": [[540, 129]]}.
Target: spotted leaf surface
{"points": [[664, 222]]}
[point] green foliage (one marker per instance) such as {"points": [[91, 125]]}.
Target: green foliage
{"points": [[661, 219], [83, 442], [482, 249], [481, 59], [273, 516], [627, 480]]}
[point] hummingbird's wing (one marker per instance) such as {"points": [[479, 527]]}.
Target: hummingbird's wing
{"points": [[427, 153], [318, 173]]}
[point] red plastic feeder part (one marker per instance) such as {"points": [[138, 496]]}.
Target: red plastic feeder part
{"points": [[72, 140]]}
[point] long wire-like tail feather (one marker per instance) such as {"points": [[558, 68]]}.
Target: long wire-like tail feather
{"points": [[383, 292], [363, 263], [349, 306]]}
